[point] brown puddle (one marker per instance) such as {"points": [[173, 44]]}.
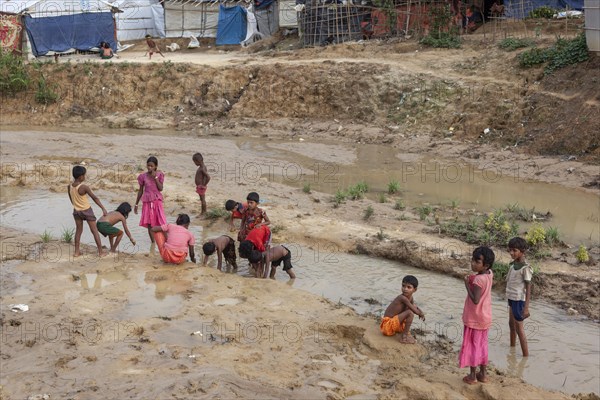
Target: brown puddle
{"points": [[329, 167]]}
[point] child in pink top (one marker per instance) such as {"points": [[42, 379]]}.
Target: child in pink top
{"points": [[151, 186], [477, 316], [178, 242]]}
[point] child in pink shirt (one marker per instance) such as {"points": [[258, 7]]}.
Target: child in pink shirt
{"points": [[151, 186], [477, 316], [174, 248]]}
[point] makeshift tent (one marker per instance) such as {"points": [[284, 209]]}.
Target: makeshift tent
{"points": [[267, 16], [139, 18], [197, 18], [520, 9], [63, 26], [232, 25]]}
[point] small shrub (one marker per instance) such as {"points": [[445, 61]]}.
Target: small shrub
{"points": [[68, 234], [500, 271], [13, 74], [399, 205], [382, 198], [277, 228], [542, 12], [536, 235], [424, 211], [216, 213], [381, 235], [46, 236], [340, 197], [368, 213], [582, 254], [512, 44], [393, 187], [45, 95], [357, 191], [533, 57], [552, 236], [306, 188]]}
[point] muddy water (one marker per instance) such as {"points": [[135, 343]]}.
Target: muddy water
{"points": [[433, 181], [557, 362]]}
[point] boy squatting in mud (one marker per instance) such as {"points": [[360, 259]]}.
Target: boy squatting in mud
{"points": [[399, 315]]}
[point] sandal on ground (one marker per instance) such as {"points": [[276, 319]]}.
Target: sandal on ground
{"points": [[468, 380], [481, 379]]}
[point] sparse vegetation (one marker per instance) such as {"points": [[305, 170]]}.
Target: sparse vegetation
{"points": [[216, 213], [13, 74], [277, 228], [45, 94], [399, 205], [306, 188], [382, 198], [68, 234], [582, 254], [493, 229], [500, 271], [512, 44], [393, 187], [357, 191], [542, 12], [46, 236], [340, 197], [552, 236], [381, 235], [441, 35], [368, 213], [563, 53], [536, 235], [424, 211]]}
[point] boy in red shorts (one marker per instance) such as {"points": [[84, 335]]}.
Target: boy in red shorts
{"points": [[202, 178]]}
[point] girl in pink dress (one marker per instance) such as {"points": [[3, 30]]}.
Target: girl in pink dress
{"points": [[477, 316], [151, 184]]}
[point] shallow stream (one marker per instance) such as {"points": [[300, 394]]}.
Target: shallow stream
{"points": [[556, 362]]}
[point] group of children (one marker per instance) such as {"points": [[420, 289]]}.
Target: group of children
{"points": [[477, 312], [174, 241]]}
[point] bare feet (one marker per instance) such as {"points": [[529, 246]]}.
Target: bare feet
{"points": [[78, 254], [103, 254], [407, 339], [470, 380], [481, 378]]}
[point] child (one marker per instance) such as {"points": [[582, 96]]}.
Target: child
{"points": [[152, 47], [256, 243], [151, 184], [106, 226], [82, 211], [202, 179], [105, 51], [237, 211], [274, 256], [174, 248], [477, 316], [399, 315], [518, 292], [252, 217], [223, 245]]}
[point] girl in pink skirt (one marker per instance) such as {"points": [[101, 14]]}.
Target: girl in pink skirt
{"points": [[151, 184], [477, 316]]}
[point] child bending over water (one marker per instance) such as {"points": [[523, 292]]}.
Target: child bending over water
{"points": [[106, 226]]}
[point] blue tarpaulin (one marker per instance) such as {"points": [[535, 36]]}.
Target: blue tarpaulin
{"points": [[75, 31], [232, 25], [520, 9]]}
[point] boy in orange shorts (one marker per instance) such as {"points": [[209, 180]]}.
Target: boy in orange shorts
{"points": [[399, 315]]}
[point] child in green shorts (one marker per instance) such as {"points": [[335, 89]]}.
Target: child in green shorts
{"points": [[106, 226]]}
